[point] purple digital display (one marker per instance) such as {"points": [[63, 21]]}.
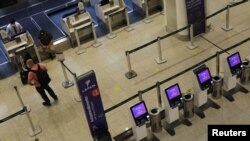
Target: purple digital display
{"points": [[204, 76], [173, 92], [234, 60], [139, 110]]}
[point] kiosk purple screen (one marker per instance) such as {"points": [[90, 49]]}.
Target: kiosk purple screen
{"points": [[139, 110], [204, 76], [173, 92], [234, 60]]}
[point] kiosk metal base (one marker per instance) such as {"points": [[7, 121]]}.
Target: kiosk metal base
{"points": [[158, 61], [170, 127], [67, 84], [128, 29], [227, 28], [192, 46], [147, 20], [111, 35], [131, 74], [229, 94], [96, 44], [199, 111], [37, 131], [128, 136], [80, 51]]}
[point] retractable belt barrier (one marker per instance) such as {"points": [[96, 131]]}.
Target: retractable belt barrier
{"points": [[77, 98], [34, 129], [131, 73], [176, 75], [12, 115]]}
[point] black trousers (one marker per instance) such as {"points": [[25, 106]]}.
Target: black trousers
{"points": [[41, 91]]}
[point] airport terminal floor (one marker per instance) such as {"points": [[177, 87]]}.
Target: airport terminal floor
{"points": [[65, 120]]}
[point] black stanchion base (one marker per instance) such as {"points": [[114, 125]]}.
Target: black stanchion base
{"points": [[170, 127], [131, 74], [128, 136], [229, 94], [199, 111]]}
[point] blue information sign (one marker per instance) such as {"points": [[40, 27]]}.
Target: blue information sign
{"points": [[92, 102], [196, 15]]}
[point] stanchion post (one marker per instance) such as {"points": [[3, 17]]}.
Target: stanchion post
{"points": [[160, 59], [227, 27], [131, 73], [217, 63], [34, 130], [158, 88], [192, 45], [67, 83], [147, 19], [79, 49], [37, 54], [96, 42], [77, 98], [128, 28], [111, 35], [140, 95]]}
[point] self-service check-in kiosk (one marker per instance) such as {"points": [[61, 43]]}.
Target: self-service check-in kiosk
{"points": [[232, 69], [201, 83], [173, 102], [139, 114], [139, 119]]}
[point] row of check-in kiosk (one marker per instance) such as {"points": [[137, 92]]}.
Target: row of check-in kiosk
{"points": [[177, 108], [113, 14], [79, 26]]}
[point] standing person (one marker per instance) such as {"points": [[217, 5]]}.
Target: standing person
{"points": [[46, 41], [13, 28], [33, 79]]}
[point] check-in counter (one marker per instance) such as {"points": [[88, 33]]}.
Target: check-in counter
{"points": [[81, 23], [21, 44], [153, 5], [112, 13]]}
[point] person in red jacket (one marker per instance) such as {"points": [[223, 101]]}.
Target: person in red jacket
{"points": [[33, 80]]}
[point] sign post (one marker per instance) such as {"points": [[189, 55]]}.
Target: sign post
{"points": [[92, 105], [196, 16]]}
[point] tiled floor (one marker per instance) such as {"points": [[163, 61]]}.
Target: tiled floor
{"points": [[65, 120]]}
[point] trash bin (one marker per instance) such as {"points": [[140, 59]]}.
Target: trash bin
{"points": [[188, 105], [155, 120], [217, 87], [245, 73]]}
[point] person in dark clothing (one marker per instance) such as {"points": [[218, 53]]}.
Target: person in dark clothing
{"points": [[46, 41], [33, 80]]}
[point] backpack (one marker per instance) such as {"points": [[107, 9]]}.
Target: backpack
{"points": [[42, 76]]}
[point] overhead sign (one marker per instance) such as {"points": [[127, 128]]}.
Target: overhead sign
{"points": [[196, 16], [92, 102]]}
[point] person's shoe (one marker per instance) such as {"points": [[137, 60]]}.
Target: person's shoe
{"points": [[46, 104]]}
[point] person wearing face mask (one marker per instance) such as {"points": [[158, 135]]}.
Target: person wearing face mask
{"points": [[13, 28]]}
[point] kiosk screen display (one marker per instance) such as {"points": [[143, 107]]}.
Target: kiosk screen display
{"points": [[173, 94], [139, 112], [234, 62], [204, 78]]}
